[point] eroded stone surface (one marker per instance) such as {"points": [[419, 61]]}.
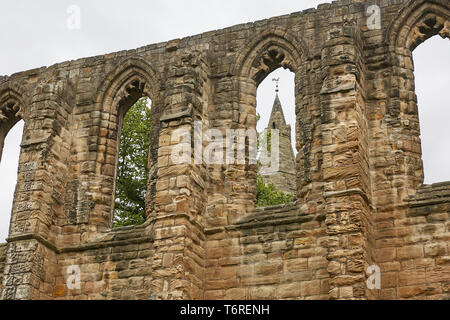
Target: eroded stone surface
{"points": [[361, 199]]}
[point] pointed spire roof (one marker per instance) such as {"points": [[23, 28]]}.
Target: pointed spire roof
{"points": [[277, 115], [277, 105]]}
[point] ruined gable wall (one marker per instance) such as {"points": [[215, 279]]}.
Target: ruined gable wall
{"points": [[360, 194]]}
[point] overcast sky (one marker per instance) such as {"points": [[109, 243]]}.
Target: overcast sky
{"points": [[35, 34]]}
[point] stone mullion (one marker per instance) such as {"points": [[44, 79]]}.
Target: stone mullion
{"points": [[344, 166], [175, 225], [90, 128], [229, 188], [179, 200]]}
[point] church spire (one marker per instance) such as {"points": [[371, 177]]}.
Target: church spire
{"points": [[285, 178], [277, 119]]}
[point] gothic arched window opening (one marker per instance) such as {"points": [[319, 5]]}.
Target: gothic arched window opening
{"points": [[132, 165], [9, 164], [432, 78], [276, 110]]}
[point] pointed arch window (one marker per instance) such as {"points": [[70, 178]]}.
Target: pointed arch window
{"points": [[276, 111], [9, 163], [432, 78], [132, 175]]}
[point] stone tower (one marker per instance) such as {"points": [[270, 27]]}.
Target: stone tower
{"points": [[285, 178]]}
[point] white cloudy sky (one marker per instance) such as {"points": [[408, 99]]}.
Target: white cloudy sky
{"points": [[35, 34]]}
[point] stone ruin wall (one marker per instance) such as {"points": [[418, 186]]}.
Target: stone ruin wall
{"points": [[361, 198]]}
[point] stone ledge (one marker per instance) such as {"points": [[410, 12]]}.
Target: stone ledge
{"points": [[344, 193], [275, 222], [34, 141], [113, 241], [31, 236], [106, 244], [155, 218], [120, 234], [113, 238], [434, 194], [426, 189], [275, 216], [277, 208], [174, 115], [269, 216]]}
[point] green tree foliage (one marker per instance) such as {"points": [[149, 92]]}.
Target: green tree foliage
{"points": [[267, 194], [132, 171]]}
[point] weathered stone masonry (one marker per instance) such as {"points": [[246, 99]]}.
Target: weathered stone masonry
{"points": [[361, 198]]}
